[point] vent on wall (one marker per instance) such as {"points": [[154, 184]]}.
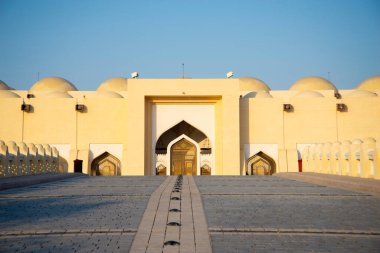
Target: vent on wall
{"points": [[80, 107], [288, 108], [26, 107]]}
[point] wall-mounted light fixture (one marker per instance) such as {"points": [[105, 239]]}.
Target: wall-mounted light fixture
{"points": [[288, 108], [30, 95], [26, 107], [341, 107], [337, 95], [80, 107]]}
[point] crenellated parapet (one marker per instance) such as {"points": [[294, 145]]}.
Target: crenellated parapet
{"points": [[20, 159], [356, 158]]}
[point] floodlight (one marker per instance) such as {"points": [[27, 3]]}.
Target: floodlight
{"points": [[230, 74], [135, 74]]}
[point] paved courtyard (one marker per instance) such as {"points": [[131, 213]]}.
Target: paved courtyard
{"points": [[273, 214], [82, 214], [241, 214]]}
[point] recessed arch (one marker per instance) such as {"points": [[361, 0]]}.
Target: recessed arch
{"points": [[105, 165], [177, 140], [161, 170], [183, 128], [63, 166], [205, 170], [260, 164]]}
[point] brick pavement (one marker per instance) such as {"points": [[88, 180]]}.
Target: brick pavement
{"points": [[273, 214], [367, 185], [229, 214], [22, 181], [80, 214]]}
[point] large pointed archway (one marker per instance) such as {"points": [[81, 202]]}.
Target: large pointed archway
{"points": [[183, 128], [261, 164], [181, 149]]}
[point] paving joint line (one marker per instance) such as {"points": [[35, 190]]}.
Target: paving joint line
{"points": [[292, 231], [71, 196], [287, 194], [69, 231]]}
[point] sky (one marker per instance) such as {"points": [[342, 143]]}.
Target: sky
{"points": [[277, 41]]}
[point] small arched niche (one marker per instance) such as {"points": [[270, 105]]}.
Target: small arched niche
{"points": [[161, 170], [63, 166], [205, 170], [260, 164], [105, 165]]}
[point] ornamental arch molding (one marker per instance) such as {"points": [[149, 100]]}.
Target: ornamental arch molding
{"points": [[105, 165], [260, 164], [183, 128]]}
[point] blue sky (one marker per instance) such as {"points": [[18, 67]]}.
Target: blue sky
{"points": [[277, 41]]}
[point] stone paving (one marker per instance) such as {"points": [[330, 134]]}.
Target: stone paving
{"points": [[239, 214], [273, 214], [82, 214], [174, 220]]}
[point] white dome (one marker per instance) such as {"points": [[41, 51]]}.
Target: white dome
{"points": [[313, 83], [52, 84], [114, 84], [371, 84], [252, 84]]}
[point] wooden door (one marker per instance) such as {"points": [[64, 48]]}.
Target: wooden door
{"points": [[183, 158]]}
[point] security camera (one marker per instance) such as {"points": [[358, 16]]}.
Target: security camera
{"points": [[135, 75], [230, 74]]}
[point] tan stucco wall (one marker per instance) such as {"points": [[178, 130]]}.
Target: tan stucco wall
{"points": [[11, 117], [238, 121], [141, 92]]}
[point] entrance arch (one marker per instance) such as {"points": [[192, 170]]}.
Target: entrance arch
{"points": [[105, 165], [261, 164], [183, 128], [183, 158]]}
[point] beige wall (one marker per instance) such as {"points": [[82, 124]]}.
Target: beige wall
{"points": [[11, 118], [361, 120], [238, 121], [225, 95]]}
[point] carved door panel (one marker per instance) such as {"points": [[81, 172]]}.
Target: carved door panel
{"points": [[184, 158], [177, 167], [189, 165]]}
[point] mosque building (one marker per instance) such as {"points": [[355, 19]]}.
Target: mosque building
{"points": [[232, 126]]}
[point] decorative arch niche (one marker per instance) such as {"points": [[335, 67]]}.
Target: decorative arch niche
{"points": [[63, 166], [260, 164], [105, 165], [183, 128]]}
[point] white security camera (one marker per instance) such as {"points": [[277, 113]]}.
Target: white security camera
{"points": [[135, 75]]}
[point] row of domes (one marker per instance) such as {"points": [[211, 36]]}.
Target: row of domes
{"points": [[57, 84]]}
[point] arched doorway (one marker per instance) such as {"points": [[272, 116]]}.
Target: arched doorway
{"points": [[105, 165], [261, 164], [63, 165], [183, 156]]}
